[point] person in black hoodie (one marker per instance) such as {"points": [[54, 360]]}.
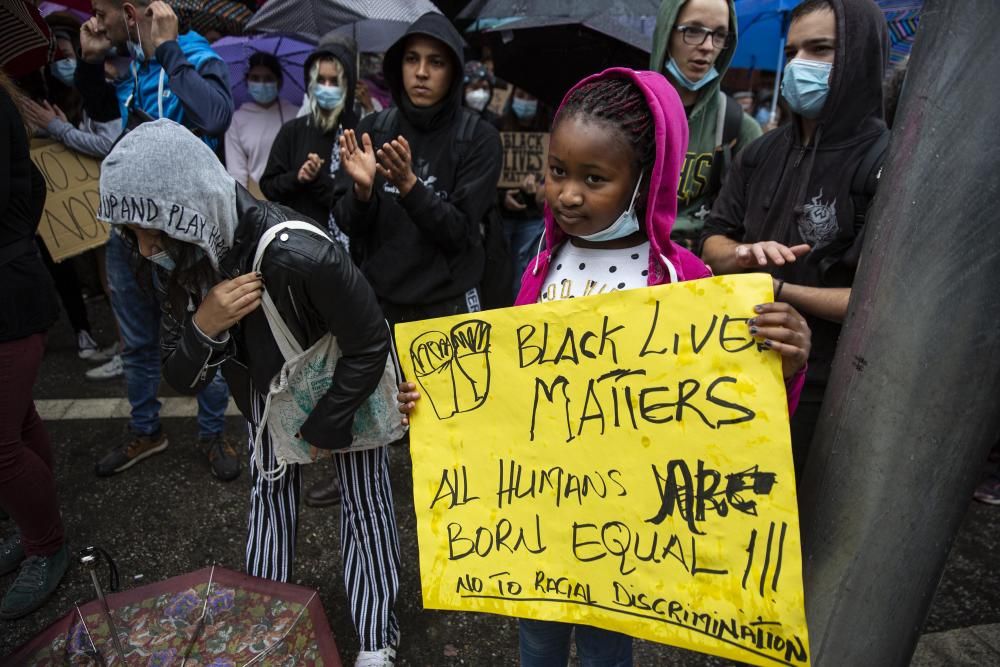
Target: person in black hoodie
{"points": [[305, 154], [424, 176], [788, 207]]}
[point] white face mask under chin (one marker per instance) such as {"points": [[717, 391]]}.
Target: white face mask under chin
{"points": [[626, 224]]}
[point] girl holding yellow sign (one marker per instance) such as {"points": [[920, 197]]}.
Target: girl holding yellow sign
{"points": [[617, 145]]}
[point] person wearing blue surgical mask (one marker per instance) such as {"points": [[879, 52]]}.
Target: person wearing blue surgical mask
{"points": [[306, 153], [521, 207], [63, 70], [61, 117], [524, 113], [693, 45], [257, 122], [791, 208]]}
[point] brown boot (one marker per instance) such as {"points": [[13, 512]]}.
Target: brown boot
{"points": [[324, 493]]}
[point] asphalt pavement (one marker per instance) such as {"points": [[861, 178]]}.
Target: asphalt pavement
{"points": [[168, 515]]}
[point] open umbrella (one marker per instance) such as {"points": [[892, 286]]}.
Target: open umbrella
{"points": [[581, 45], [763, 27], [27, 42], [212, 617], [226, 16], [291, 52], [902, 17], [312, 18], [764, 23], [373, 35], [46, 8]]}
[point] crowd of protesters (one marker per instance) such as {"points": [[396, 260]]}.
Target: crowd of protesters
{"points": [[399, 164]]}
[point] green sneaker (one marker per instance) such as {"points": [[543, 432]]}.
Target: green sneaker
{"points": [[11, 554], [38, 578]]}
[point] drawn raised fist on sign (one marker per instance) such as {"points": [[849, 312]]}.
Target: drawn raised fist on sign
{"points": [[454, 369]]}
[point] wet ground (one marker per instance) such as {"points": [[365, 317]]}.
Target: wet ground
{"points": [[168, 515]]}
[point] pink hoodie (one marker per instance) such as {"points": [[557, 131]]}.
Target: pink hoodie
{"points": [[668, 261]]}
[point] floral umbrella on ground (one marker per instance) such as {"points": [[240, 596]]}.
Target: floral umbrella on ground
{"points": [[210, 618]]}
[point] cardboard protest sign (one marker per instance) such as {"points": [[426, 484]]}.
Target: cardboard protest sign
{"points": [[499, 99], [69, 225], [621, 460], [523, 153]]}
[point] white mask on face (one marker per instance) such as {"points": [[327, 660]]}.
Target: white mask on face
{"points": [[626, 224], [477, 99]]}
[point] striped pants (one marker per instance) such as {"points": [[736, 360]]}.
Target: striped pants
{"points": [[369, 545]]}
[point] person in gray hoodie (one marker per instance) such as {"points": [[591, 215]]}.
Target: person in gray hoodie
{"points": [[175, 204]]}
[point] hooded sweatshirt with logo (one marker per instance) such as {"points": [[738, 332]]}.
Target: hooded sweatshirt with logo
{"points": [[426, 248], [781, 190], [301, 136], [704, 126]]}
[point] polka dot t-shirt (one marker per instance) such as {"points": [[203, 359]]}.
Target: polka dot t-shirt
{"points": [[576, 272]]}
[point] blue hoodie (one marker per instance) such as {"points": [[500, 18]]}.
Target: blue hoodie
{"points": [[195, 87]]}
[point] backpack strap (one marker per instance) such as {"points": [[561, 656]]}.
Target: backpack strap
{"points": [[283, 336], [730, 119], [385, 123], [866, 177], [464, 134], [869, 170]]}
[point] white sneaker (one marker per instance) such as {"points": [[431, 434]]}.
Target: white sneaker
{"points": [[105, 353], [109, 371], [384, 657], [85, 344]]}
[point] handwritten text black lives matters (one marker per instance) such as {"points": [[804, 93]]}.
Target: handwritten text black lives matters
{"points": [[688, 491]]}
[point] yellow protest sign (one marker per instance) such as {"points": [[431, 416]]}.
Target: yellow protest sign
{"points": [[620, 460], [524, 153], [69, 224]]}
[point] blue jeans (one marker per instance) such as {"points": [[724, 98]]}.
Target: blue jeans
{"points": [[138, 313], [522, 238], [546, 644]]}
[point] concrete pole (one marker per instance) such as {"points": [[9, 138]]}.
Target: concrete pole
{"points": [[913, 403]]}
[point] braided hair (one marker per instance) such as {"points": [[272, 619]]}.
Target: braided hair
{"points": [[617, 103]]}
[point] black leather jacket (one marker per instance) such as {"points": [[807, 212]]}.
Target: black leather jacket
{"points": [[317, 290]]}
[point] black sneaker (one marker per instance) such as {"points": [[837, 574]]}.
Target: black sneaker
{"points": [[223, 458], [37, 579], [11, 554], [127, 455]]}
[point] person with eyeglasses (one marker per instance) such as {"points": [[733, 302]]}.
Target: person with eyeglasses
{"points": [[693, 45]]}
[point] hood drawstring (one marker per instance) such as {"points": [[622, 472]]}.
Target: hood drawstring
{"points": [[538, 253], [807, 175], [670, 269]]}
